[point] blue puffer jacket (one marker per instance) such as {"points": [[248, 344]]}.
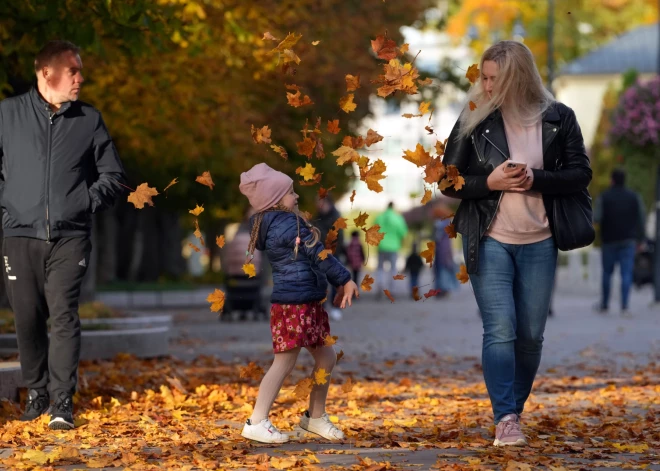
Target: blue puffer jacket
{"points": [[304, 279]]}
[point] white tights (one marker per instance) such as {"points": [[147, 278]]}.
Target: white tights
{"points": [[324, 357]]}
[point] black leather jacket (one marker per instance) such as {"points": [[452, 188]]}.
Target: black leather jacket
{"points": [[477, 155]]}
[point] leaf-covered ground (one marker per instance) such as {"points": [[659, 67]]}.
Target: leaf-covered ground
{"points": [[416, 413]]}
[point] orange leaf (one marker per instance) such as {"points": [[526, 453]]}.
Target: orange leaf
{"points": [[330, 340], [346, 103], [142, 195], [428, 195], [252, 370], [388, 294], [429, 129], [473, 105], [197, 211], [205, 179], [353, 196], [440, 147], [354, 142], [268, 36], [316, 179], [194, 247], [323, 192], [459, 182], [373, 237], [320, 153], [250, 270], [315, 43], [198, 233], [429, 253], [296, 100], [331, 239], [434, 171], [303, 388], [472, 73], [289, 56], [424, 107], [288, 42], [372, 176], [340, 355], [172, 183], [415, 293], [333, 126], [384, 47], [280, 150], [432, 293], [347, 387], [399, 277], [308, 173], [306, 146], [346, 154], [220, 241], [451, 231], [419, 156], [366, 283], [352, 82], [217, 300], [462, 274], [426, 81], [452, 172], [404, 48], [260, 135], [340, 223], [447, 216], [323, 254], [373, 137], [361, 220]]}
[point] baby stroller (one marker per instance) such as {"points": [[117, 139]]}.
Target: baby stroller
{"points": [[243, 294]]}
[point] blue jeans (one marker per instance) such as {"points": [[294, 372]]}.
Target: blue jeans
{"points": [[513, 290], [622, 253]]}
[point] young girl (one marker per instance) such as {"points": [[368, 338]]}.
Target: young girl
{"points": [[300, 280]]}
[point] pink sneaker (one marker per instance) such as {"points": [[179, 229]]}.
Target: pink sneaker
{"points": [[508, 432]]}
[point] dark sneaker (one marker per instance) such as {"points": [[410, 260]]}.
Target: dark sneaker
{"points": [[37, 404], [61, 415]]}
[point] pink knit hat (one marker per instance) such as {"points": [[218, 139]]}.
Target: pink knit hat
{"points": [[264, 187]]}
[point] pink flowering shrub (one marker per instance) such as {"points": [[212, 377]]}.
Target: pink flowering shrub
{"points": [[636, 119]]}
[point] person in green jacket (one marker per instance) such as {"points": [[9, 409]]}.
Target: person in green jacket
{"points": [[395, 229]]}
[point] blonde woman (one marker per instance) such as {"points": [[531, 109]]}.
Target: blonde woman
{"points": [[517, 151]]}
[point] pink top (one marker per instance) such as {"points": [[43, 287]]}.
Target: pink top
{"points": [[521, 217]]}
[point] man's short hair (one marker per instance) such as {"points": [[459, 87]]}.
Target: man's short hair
{"points": [[52, 51], [619, 177]]}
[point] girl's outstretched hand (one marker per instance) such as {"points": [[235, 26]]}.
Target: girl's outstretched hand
{"points": [[349, 290]]}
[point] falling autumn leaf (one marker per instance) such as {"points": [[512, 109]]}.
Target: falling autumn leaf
{"points": [[194, 247], [384, 47], [260, 135], [352, 82], [424, 107], [366, 283], [217, 300], [346, 154], [306, 146], [472, 73], [346, 103], [419, 156], [361, 220], [251, 371], [353, 196], [330, 340], [373, 175], [220, 241], [323, 192], [321, 376], [373, 237], [289, 56], [473, 105], [434, 170], [354, 142], [428, 195], [283, 463], [340, 223], [303, 388], [280, 150], [308, 172], [331, 239], [440, 147], [315, 43], [415, 293], [171, 184], [142, 195], [451, 231], [269, 37], [340, 355], [373, 137], [250, 270], [198, 233], [197, 211], [333, 126], [429, 129], [297, 100], [399, 277], [347, 387], [389, 295], [205, 179], [429, 253], [288, 42], [432, 293], [323, 254], [462, 274]]}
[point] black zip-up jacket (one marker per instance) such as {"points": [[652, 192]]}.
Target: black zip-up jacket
{"points": [[477, 155], [57, 168]]}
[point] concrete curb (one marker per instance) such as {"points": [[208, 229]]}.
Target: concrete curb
{"points": [[10, 380]]}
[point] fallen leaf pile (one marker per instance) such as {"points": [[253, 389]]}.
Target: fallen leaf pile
{"points": [[170, 414]]}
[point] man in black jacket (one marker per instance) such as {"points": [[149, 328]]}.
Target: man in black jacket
{"points": [[59, 165], [620, 213]]}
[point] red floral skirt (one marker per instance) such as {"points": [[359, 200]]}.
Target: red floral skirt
{"points": [[298, 325]]}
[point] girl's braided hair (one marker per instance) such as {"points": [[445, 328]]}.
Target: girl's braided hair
{"points": [[256, 227]]}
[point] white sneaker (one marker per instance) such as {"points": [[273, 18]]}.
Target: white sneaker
{"points": [[263, 432], [321, 426], [335, 314]]}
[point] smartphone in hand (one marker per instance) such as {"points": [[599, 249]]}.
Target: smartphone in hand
{"points": [[512, 166]]}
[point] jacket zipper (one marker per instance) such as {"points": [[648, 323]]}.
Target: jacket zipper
{"points": [[501, 192], [50, 142], [479, 158]]}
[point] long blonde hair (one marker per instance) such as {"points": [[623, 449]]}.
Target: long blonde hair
{"points": [[518, 89]]}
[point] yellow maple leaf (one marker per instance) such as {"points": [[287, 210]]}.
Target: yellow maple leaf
{"points": [[260, 135], [321, 376], [429, 253], [36, 456], [288, 42], [346, 154], [462, 274], [283, 463], [197, 211], [142, 195], [308, 172], [220, 241], [373, 175], [361, 220], [372, 236], [217, 300], [330, 340], [250, 270], [366, 283], [346, 103], [472, 73], [323, 254], [419, 156], [424, 107], [428, 195]]}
